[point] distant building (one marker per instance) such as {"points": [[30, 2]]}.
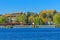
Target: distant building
{"points": [[12, 18]]}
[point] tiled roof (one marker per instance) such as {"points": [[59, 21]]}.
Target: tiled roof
{"points": [[7, 15]]}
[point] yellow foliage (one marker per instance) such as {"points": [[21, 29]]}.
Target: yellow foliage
{"points": [[31, 18], [50, 11], [44, 11], [44, 20]]}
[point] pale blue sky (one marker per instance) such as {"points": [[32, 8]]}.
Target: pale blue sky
{"points": [[9, 6]]}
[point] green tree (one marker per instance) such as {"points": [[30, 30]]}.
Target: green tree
{"points": [[44, 15], [30, 16], [31, 19], [2, 19], [56, 19], [22, 18], [38, 21]]}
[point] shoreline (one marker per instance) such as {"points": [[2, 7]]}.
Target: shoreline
{"points": [[29, 26]]}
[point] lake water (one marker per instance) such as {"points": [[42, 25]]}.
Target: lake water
{"points": [[29, 33]]}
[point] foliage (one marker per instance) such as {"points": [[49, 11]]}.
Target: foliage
{"points": [[2, 19], [22, 18], [30, 16], [44, 15], [47, 15], [31, 19], [36, 20], [56, 19]]}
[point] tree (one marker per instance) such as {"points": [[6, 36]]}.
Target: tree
{"points": [[31, 19], [44, 15], [56, 19], [38, 21], [47, 15], [30, 16], [2, 19], [22, 18]]}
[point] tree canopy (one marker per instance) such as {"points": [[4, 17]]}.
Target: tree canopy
{"points": [[2, 19], [56, 18], [22, 18]]}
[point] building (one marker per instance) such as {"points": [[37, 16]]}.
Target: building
{"points": [[12, 18]]}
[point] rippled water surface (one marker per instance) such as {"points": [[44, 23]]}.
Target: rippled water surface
{"points": [[29, 33]]}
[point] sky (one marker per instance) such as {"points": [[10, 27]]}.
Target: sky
{"points": [[10, 6]]}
